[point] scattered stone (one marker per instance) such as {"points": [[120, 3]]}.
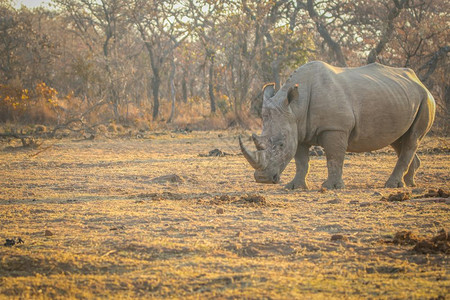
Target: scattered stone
{"points": [[172, 178], [215, 152], [219, 211], [334, 201], [354, 202], [400, 196], [338, 238], [376, 194], [48, 233], [117, 228], [12, 242]]}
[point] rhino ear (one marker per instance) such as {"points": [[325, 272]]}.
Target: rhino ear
{"points": [[292, 95], [268, 91]]}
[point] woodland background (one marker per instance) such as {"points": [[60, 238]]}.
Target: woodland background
{"points": [[200, 64]]}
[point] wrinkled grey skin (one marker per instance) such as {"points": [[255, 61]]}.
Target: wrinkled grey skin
{"points": [[341, 109]]}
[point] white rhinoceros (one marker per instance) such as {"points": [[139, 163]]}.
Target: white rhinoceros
{"points": [[341, 109]]}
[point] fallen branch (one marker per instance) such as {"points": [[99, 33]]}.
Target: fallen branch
{"points": [[42, 150]]}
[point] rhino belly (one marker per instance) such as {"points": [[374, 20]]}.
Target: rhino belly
{"points": [[377, 130]]}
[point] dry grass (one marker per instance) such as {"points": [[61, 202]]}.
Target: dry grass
{"points": [[116, 233]]}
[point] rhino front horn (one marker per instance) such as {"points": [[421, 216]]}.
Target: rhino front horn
{"points": [[254, 158]]}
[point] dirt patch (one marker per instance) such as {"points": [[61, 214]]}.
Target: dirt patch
{"points": [[223, 199], [160, 196], [257, 249], [246, 200], [171, 178], [433, 193], [405, 238], [400, 196], [435, 150], [338, 238], [254, 200], [437, 244]]}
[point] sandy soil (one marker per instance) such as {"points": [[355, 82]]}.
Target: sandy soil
{"points": [[97, 222]]}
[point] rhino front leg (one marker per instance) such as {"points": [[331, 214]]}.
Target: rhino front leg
{"points": [[302, 168], [335, 144]]}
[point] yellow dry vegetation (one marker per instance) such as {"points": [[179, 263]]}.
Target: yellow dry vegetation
{"points": [[97, 224]]}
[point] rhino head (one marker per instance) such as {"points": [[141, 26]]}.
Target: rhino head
{"points": [[277, 144]]}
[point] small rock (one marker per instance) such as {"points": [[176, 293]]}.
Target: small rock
{"points": [[334, 201], [354, 202], [376, 194], [219, 211], [215, 152], [239, 234], [9, 242], [48, 233], [338, 238]]}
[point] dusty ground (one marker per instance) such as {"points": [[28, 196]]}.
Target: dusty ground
{"points": [[95, 224]]}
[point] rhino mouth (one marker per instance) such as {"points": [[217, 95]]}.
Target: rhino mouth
{"points": [[263, 178]]}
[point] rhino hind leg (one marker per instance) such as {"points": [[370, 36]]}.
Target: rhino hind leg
{"points": [[415, 164], [335, 144], [407, 145]]}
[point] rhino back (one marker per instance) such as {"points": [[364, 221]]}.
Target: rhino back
{"points": [[374, 104]]}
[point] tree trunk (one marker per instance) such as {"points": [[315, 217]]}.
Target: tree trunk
{"points": [[184, 87], [172, 91], [156, 81], [211, 84]]}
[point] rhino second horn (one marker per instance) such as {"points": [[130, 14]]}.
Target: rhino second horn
{"points": [[258, 143], [251, 156]]}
